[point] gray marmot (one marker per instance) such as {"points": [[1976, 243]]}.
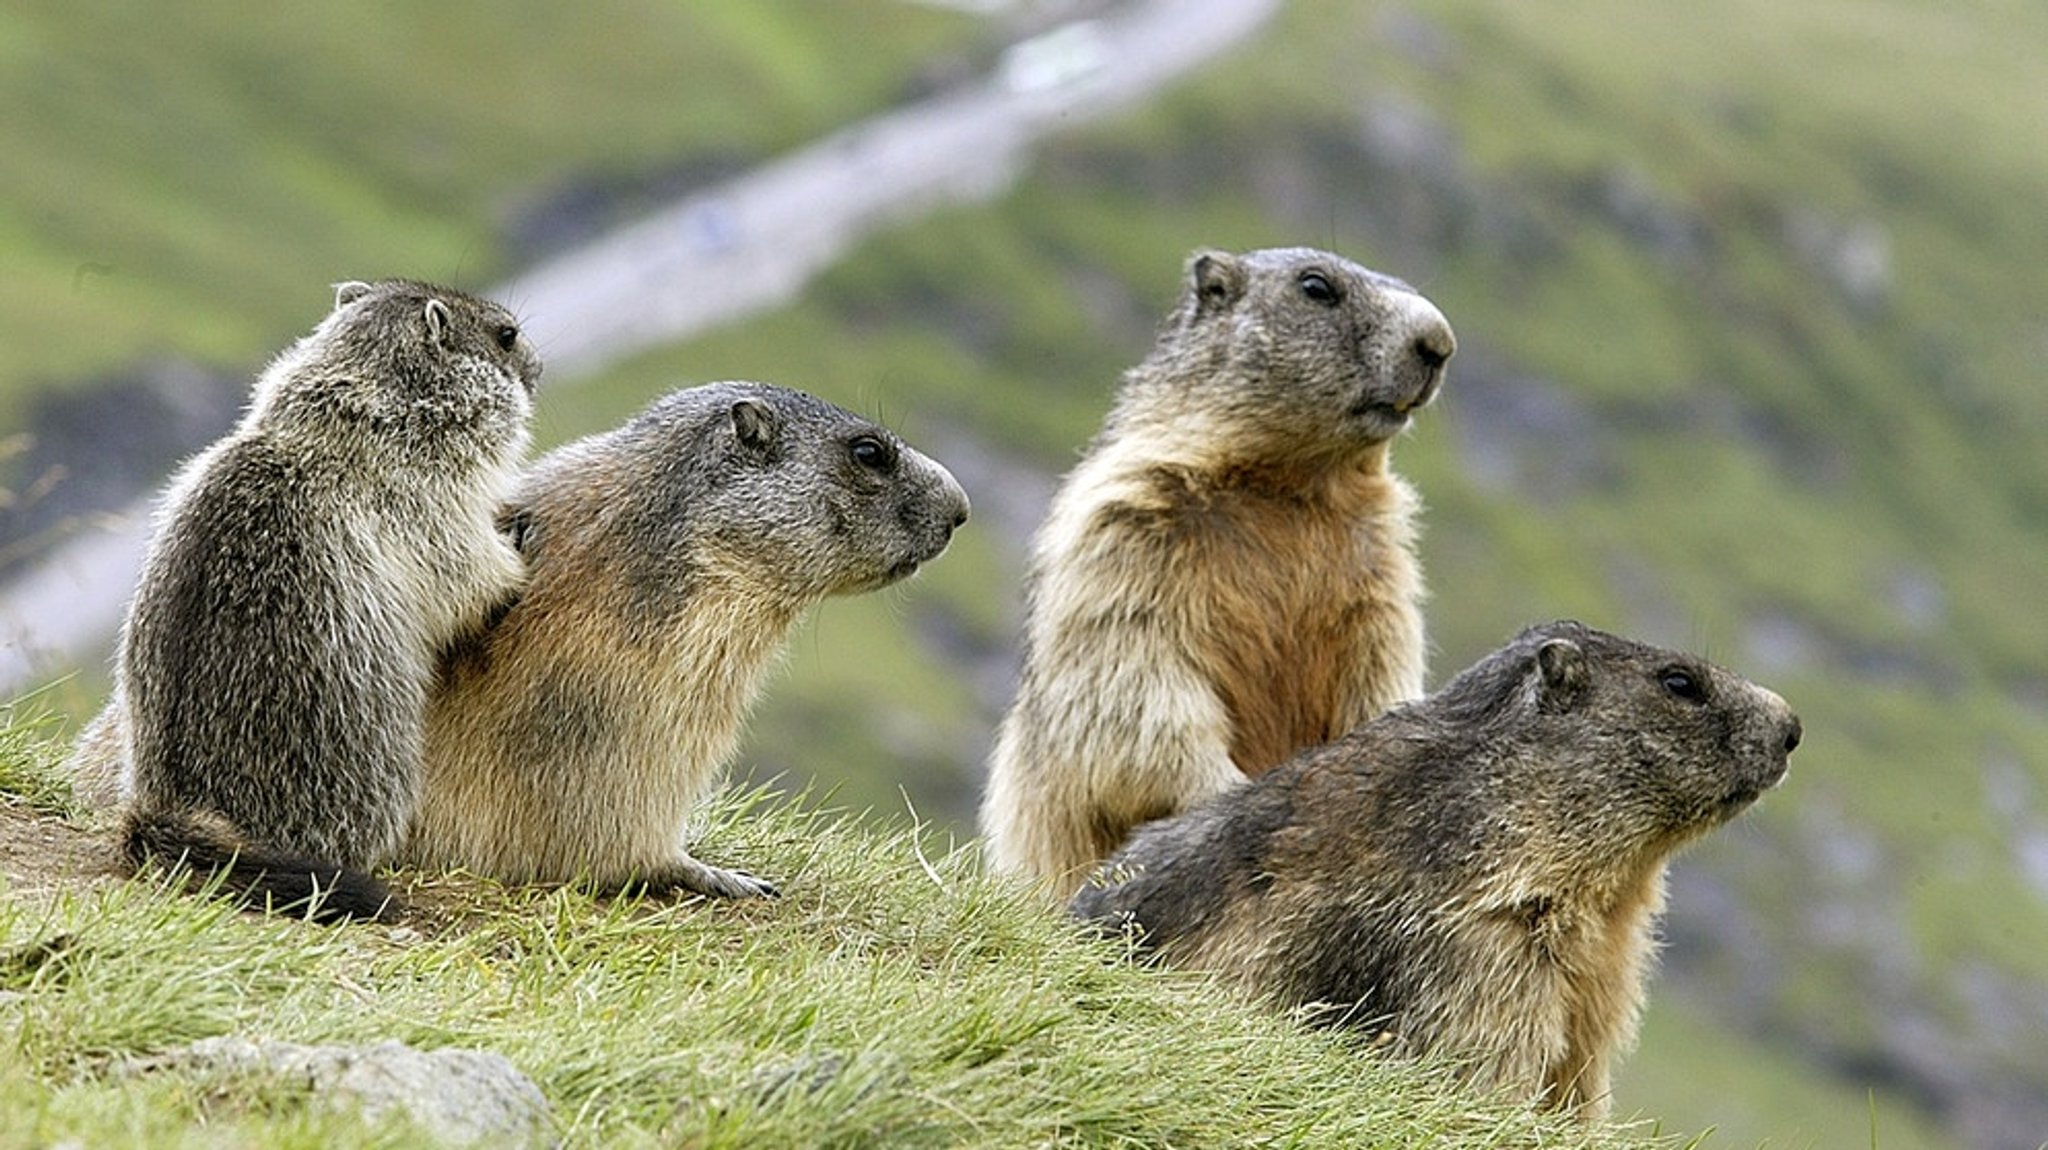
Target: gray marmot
{"points": [[1476, 876], [305, 574], [1229, 574], [668, 560]]}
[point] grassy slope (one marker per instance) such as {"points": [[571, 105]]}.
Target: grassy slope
{"points": [[1777, 457], [1867, 450], [205, 174], [911, 1001]]}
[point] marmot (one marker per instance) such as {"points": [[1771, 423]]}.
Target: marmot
{"points": [[1476, 876], [305, 573], [1229, 574], [668, 560]]}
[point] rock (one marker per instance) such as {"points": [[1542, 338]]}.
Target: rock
{"points": [[459, 1096], [1854, 257]]}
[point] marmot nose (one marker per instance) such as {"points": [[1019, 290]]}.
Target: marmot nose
{"points": [[957, 495], [1429, 333], [1435, 352], [1792, 736]]}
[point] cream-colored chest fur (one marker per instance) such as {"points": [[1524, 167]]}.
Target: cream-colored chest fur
{"points": [[571, 744]]}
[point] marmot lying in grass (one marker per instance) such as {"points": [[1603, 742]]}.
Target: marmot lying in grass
{"points": [[1477, 875]]}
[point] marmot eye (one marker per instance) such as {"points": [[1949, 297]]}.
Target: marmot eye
{"points": [[1317, 287], [1683, 683], [872, 453], [507, 336]]}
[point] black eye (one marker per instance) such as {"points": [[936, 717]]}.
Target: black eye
{"points": [[872, 453], [1683, 683], [1317, 286], [507, 336]]}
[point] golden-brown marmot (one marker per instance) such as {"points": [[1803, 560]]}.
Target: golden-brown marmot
{"points": [[1229, 574], [668, 560]]}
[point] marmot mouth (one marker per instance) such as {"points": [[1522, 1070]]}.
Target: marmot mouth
{"points": [[1748, 791], [1388, 418], [1740, 798], [1391, 405], [1397, 408], [876, 579]]}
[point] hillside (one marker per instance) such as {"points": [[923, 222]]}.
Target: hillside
{"points": [[893, 997], [1746, 369], [1749, 299]]}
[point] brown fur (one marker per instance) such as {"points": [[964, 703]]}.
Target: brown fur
{"points": [[669, 559], [1229, 575], [1476, 876], [1282, 643]]}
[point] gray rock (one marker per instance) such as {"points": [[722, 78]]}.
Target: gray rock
{"points": [[459, 1096]]}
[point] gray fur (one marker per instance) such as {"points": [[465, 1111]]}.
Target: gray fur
{"points": [[1245, 342], [307, 569], [1476, 875]]}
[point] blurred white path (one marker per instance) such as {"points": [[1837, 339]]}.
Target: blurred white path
{"points": [[723, 253]]}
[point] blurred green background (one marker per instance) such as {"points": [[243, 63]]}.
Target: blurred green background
{"points": [[1751, 299]]}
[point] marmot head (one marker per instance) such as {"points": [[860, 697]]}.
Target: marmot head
{"points": [[1627, 749], [747, 481], [1305, 345], [412, 361]]}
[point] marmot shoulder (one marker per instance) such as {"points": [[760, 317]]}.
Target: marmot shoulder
{"points": [[668, 560], [305, 572], [1476, 876], [1229, 574]]}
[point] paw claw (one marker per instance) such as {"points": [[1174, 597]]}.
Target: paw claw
{"points": [[687, 874]]}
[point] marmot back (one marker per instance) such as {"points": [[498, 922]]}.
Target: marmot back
{"points": [[1475, 876], [669, 559], [1229, 574], [305, 572]]}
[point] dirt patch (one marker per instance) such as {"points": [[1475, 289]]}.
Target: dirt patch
{"points": [[41, 854]]}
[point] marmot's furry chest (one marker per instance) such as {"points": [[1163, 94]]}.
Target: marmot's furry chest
{"points": [[1288, 598]]}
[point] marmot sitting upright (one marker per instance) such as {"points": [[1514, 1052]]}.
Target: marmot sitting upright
{"points": [[1228, 576], [1475, 876], [668, 561], [306, 572]]}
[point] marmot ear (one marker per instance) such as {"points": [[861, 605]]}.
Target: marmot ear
{"points": [[1564, 672], [438, 321], [1215, 280], [753, 423], [348, 292]]}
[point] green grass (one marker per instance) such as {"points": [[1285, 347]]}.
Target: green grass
{"points": [[1777, 452], [30, 773], [1734, 1097], [196, 180], [910, 1000]]}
